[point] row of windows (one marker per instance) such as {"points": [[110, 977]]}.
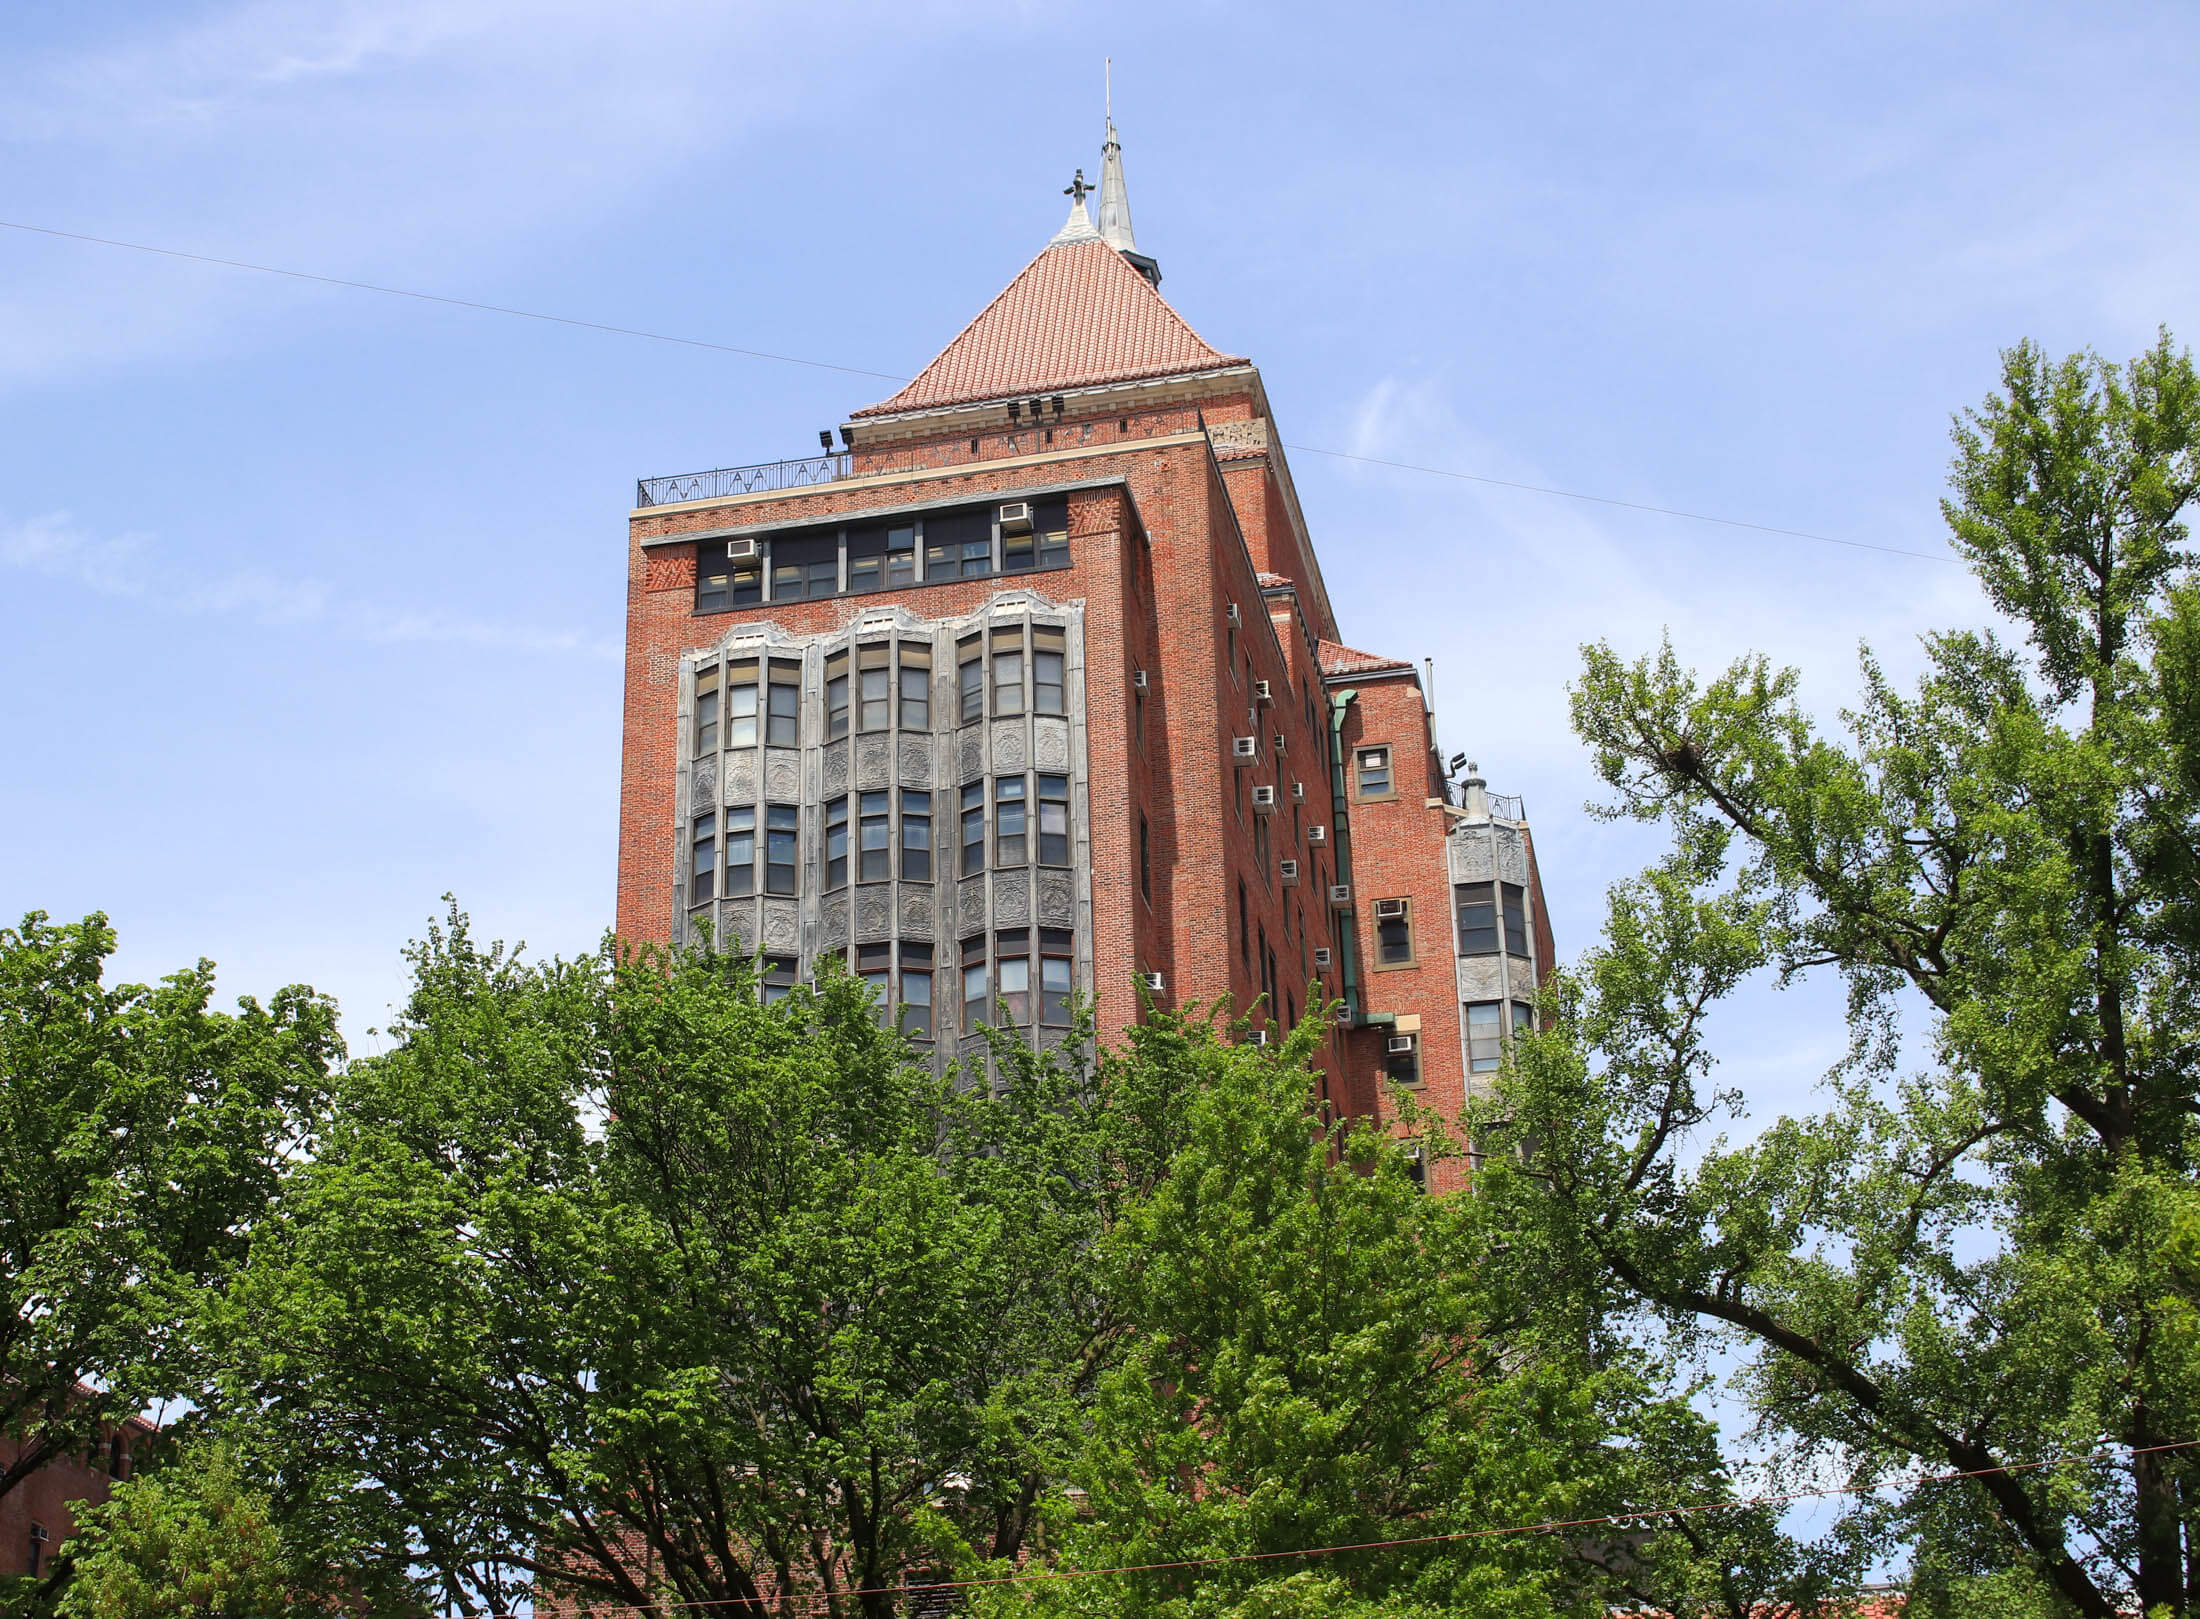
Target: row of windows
{"points": [[1016, 669], [883, 556], [876, 835], [1490, 915], [999, 974]]}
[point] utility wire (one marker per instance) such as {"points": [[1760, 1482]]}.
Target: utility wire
{"points": [[887, 376], [1785, 1498]]}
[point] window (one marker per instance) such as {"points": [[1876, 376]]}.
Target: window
{"points": [[970, 678], [1260, 845], [782, 829], [721, 582], [1054, 820], [778, 979], [1394, 932], [916, 836], [1374, 772], [916, 687], [1046, 670], [958, 547], [1145, 857], [782, 718], [1051, 519], [1008, 822], [1515, 907], [1018, 551], [973, 828], [916, 990], [836, 696], [1014, 967], [1008, 672], [37, 1557], [1138, 717], [1245, 934], [805, 568], [1485, 1037], [741, 704], [875, 681], [875, 966], [976, 985], [1403, 1067], [1055, 948], [836, 844], [882, 556], [706, 712], [741, 852], [874, 847], [703, 866], [1477, 919]]}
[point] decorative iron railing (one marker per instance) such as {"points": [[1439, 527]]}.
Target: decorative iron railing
{"points": [[1508, 807], [755, 480]]}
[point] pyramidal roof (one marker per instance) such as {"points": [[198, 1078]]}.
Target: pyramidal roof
{"points": [[1339, 659], [1077, 316]]}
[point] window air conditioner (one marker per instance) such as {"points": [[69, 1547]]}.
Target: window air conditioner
{"points": [[1298, 792], [1340, 893], [1344, 1017], [1152, 981], [1257, 1037], [745, 549], [1263, 692], [1016, 517], [1317, 835], [1264, 800], [1390, 909], [1138, 680], [1279, 742], [1236, 618], [1288, 870], [1321, 957], [1400, 1045], [1244, 749]]}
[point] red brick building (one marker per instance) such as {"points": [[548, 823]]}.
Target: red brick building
{"points": [[1032, 686], [38, 1511]]}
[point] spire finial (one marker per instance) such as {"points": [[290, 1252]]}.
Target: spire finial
{"points": [[1077, 189]]}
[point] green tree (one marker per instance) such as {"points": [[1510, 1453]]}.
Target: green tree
{"points": [[1320, 1355], [1985, 1263], [142, 1135], [609, 1278]]}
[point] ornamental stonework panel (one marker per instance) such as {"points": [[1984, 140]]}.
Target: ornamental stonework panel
{"points": [[836, 769], [737, 929], [1470, 859], [1479, 979], [916, 761], [741, 776], [970, 906], [916, 913], [1050, 744], [973, 756], [783, 775], [1057, 900], [832, 922], [1008, 745], [872, 760], [782, 926], [874, 912], [1012, 898], [1512, 860], [703, 791]]}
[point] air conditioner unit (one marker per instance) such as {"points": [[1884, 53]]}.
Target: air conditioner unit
{"points": [[1344, 1017], [1244, 749], [1016, 517], [1138, 680], [1399, 1045], [1257, 1037], [1340, 893], [1321, 957], [1152, 981], [1279, 742], [1263, 692], [1288, 870], [1236, 618], [745, 549], [1390, 909], [1298, 792], [1264, 800], [1317, 835]]}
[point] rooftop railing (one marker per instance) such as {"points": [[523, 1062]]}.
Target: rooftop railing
{"points": [[1508, 807], [756, 480]]}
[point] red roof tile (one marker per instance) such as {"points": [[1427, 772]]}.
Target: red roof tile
{"points": [[1338, 659], [1076, 317]]}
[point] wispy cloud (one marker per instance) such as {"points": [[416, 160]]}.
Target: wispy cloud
{"points": [[133, 566]]}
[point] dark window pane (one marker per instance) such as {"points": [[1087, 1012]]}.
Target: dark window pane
{"points": [[782, 827], [1477, 920], [1394, 940], [1008, 682], [740, 853], [805, 567], [1046, 683], [916, 836], [1054, 820], [784, 706], [836, 843], [916, 995], [1054, 990], [1016, 989], [972, 677], [916, 690], [1516, 919], [1008, 821], [703, 866], [741, 706], [836, 696], [875, 684], [706, 715]]}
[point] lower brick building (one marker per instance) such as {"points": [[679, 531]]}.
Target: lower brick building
{"points": [[1030, 687]]}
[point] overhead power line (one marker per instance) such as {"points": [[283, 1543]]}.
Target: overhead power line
{"points": [[888, 376], [1548, 1526]]}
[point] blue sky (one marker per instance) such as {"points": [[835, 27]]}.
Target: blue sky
{"points": [[313, 597]]}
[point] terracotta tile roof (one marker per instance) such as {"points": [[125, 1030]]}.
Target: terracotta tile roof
{"points": [[1338, 659], [1272, 581], [1076, 317]]}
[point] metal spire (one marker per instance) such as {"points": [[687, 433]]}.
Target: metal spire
{"points": [[1115, 198]]}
